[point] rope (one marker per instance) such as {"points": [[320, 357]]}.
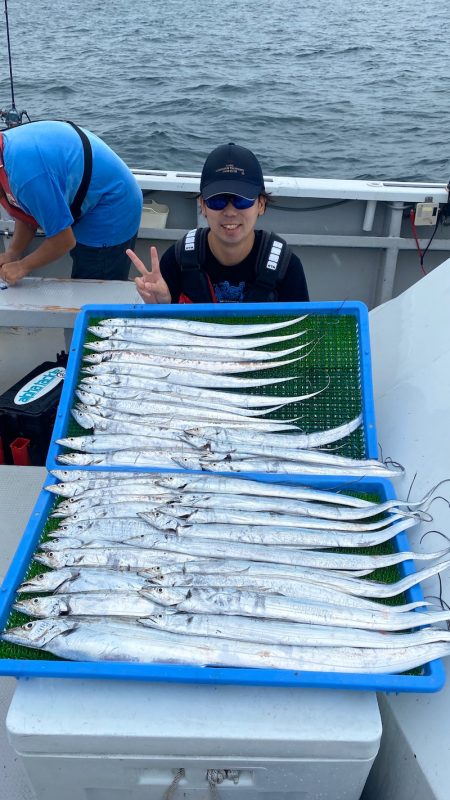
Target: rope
{"points": [[213, 776], [169, 793], [217, 776]]}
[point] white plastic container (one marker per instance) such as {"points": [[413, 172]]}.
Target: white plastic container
{"points": [[154, 215], [117, 740]]}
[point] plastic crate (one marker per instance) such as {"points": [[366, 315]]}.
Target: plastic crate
{"points": [[341, 355], [35, 663]]}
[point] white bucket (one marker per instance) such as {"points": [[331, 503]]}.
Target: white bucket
{"points": [[154, 215]]}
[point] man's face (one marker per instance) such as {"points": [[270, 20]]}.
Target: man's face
{"points": [[233, 226]]}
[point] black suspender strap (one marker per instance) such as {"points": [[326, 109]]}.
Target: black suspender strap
{"points": [[77, 202], [272, 261], [190, 255]]}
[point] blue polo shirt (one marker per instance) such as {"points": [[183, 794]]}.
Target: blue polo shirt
{"points": [[44, 164]]}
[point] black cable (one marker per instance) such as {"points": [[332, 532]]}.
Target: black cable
{"points": [[438, 219], [274, 205]]}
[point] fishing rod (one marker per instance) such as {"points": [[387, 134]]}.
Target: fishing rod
{"points": [[11, 116]]}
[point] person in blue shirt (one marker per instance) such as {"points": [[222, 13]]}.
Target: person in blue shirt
{"points": [[70, 184]]}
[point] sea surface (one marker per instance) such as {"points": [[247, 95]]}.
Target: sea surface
{"points": [[317, 88]]}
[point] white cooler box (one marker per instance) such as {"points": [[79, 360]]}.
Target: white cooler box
{"points": [[117, 740]]}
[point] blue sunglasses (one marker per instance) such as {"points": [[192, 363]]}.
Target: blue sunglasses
{"points": [[219, 201]]}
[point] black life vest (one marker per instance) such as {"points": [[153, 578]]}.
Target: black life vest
{"points": [[272, 260]]}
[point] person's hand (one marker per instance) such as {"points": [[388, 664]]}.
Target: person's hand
{"points": [[13, 271], [150, 285], [8, 256]]}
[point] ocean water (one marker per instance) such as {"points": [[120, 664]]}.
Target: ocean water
{"points": [[344, 89]]}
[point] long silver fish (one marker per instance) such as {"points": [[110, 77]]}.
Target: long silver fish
{"points": [[268, 536], [335, 503], [132, 333], [215, 549], [102, 527], [93, 604], [291, 633], [284, 579], [110, 511], [121, 366], [297, 440], [111, 443], [215, 329], [185, 509], [198, 353], [218, 414], [128, 492], [133, 559], [307, 591], [278, 467], [166, 425], [184, 415], [160, 398], [290, 506], [101, 475], [134, 383], [265, 606], [109, 640], [213, 367], [71, 580]]}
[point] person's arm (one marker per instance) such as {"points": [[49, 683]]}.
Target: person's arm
{"points": [[50, 250], [21, 238], [293, 287], [150, 285]]}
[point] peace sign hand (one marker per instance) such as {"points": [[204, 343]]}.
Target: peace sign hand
{"points": [[150, 285]]}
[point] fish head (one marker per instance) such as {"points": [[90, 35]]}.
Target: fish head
{"points": [[86, 398], [102, 331], [158, 620], [42, 606], [162, 578], [62, 543], [83, 459], [46, 581], [163, 522], [164, 595], [93, 380], [92, 358], [67, 441], [49, 559], [187, 462], [37, 633]]}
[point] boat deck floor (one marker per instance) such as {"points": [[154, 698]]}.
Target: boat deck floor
{"points": [[17, 498]]}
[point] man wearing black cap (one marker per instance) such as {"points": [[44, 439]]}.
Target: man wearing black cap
{"points": [[228, 261]]}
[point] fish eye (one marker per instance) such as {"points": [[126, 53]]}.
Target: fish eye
{"points": [[29, 625], [35, 600]]}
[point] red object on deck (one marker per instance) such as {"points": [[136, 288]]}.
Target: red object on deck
{"points": [[2, 452], [20, 450]]}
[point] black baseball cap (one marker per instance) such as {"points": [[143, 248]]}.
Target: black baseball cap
{"points": [[231, 169]]}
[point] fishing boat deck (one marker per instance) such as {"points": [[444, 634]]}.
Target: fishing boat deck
{"points": [[19, 488]]}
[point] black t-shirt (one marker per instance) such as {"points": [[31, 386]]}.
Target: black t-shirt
{"points": [[231, 282]]}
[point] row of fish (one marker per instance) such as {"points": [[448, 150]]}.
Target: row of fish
{"points": [[152, 568], [164, 393]]}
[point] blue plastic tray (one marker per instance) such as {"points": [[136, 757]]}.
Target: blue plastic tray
{"points": [[431, 680], [88, 313]]}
